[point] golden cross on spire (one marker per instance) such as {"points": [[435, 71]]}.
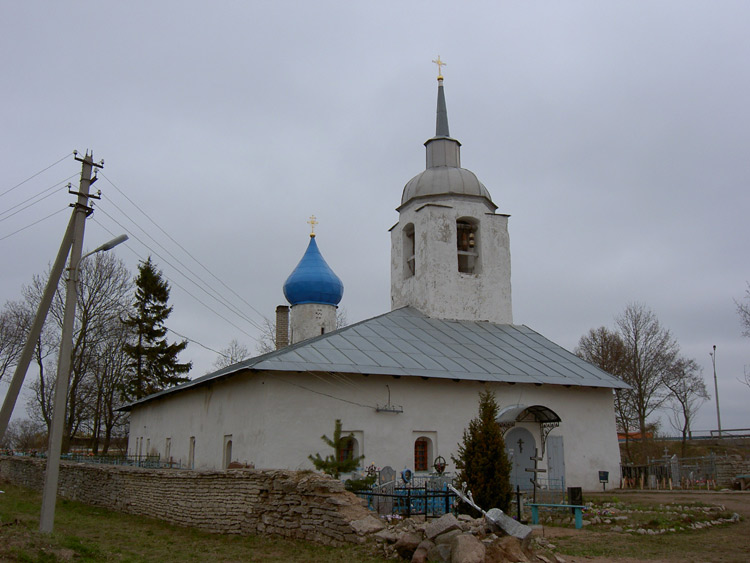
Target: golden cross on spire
{"points": [[312, 222], [440, 65]]}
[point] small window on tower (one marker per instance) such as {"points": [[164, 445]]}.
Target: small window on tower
{"points": [[409, 260], [467, 242]]}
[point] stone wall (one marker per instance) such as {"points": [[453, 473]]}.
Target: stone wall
{"points": [[728, 468], [292, 504]]}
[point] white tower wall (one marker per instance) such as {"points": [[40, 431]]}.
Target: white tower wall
{"points": [[309, 320], [437, 288]]}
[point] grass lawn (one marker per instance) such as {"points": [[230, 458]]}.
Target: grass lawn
{"points": [[722, 543], [85, 533]]}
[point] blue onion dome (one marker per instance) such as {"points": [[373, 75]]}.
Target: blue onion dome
{"points": [[313, 281]]}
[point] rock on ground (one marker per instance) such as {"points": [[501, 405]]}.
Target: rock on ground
{"points": [[407, 544], [467, 549], [444, 524], [367, 525]]}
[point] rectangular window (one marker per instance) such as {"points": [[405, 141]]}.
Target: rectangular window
{"points": [[467, 247], [410, 265], [191, 453]]}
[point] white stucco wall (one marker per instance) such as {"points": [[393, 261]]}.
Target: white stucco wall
{"points": [[276, 420], [308, 320], [437, 288]]}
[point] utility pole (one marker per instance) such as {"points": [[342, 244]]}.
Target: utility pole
{"points": [[36, 328], [81, 210], [716, 389]]}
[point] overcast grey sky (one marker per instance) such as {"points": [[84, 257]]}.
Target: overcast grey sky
{"points": [[616, 136]]}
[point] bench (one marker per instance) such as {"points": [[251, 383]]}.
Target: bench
{"points": [[578, 509], [743, 480]]}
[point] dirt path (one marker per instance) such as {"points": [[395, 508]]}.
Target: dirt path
{"points": [[729, 543]]}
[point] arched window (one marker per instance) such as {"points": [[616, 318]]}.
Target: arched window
{"points": [[410, 265], [349, 449], [467, 243], [227, 451], [422, 454]]}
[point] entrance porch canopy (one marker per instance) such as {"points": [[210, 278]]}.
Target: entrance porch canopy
{"points": [[547, 418]]}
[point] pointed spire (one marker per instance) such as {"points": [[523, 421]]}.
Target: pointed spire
{"points": [[442, 150], [441, 127]]}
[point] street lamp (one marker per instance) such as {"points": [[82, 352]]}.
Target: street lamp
{"points": [[109, 245], [49, 494], [716, 389]]}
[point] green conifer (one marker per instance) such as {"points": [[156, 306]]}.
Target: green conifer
{"points": [[481, 461], [154, 362], [337, 463]]}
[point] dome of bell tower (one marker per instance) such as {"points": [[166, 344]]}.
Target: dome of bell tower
{"points": [[443, 174]]}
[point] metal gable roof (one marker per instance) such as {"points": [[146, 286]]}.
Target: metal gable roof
{"points": [[405, 342]]}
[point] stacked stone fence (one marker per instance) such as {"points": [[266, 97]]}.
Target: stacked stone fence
{"points": [[728, 468], [293, 504]]}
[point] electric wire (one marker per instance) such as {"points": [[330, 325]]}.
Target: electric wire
{"points": [[51, 191], [325, 394], [172, 281], [210, 291], [35, 175], [34, 223], [177, 285], [184, 249], [196, 342], [336, 381], [161, 257]]}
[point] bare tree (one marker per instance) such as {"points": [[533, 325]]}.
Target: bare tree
{"points": [[267, 341], [743, 309], [24, 434], [687, 393], [232, 354], [605, 349], [110, 372], [651, 356], [13, 329], [645, 356], [103, 299]]}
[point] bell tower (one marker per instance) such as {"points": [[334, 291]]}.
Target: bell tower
{"points": [[450, 250]]}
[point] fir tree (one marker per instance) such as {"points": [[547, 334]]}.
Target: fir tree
{"points": [[481, 461], [153, 360], [338, 463]]}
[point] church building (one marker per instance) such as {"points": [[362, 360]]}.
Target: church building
{"points": [[406, 383]]}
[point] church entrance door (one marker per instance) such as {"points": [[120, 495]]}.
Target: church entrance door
{"points": [[520, 446], [556, 462]]}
